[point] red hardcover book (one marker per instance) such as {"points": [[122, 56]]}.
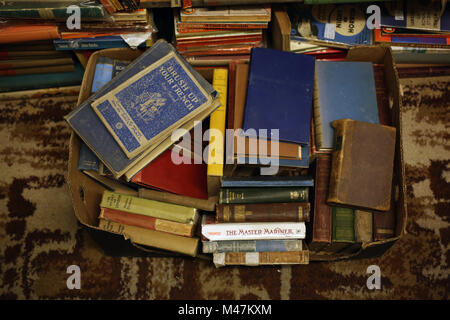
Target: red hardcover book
{"points": [[184, 179]]}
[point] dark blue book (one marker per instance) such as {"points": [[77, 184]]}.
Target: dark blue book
{"points": [[42, 80], [94, 43], [267, 181], [279, 94], [91, 129], [343, 90], [87, 160], [418, 15]]}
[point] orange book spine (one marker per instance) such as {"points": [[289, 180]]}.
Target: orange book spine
{"points": [[13, 34], [147, 222]]}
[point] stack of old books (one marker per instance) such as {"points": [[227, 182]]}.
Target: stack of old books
{"points": [[259, 221], [225, 33]]}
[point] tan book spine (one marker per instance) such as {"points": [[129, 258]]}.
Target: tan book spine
{"points": [[155, 239], [341, 127], [317, 116], [207, 205], [261, 258], [363, 226]]}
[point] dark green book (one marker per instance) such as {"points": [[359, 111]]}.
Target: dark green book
{"points": [[263, 195], [343, 231]]}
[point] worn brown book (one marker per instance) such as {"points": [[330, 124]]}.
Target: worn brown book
{"points": [[260, 258], [384, 224], [362, 165], [322, 214], [263, 212]]}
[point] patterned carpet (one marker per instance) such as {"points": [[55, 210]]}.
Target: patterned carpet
{"points": [[40, 237]]}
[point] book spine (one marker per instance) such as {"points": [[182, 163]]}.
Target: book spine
{"points": [[88, 44], [260, 258], [197, 26], [343, 225], [263, 195], [103, 73], [254, 231], [252, 246], [145, 222], [15, 64], [317, 114], [384, 224], [270, 212], [147, 207], [87, 160], [50, 13], [363, 226], [108, 6], [337, 160], [36, 70], [322, 218], [155, 239]]}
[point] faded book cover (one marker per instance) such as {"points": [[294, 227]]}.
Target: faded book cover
{"points": [[260, 258], [362, 165]]}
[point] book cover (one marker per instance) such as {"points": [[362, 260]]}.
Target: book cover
{"points": [[251, 231], [260, 258], [263, 195], [362, 165], [87, 160], [342, 25], [186, 179], [90, 128], [151, 104], [147, 207], [151, 223], [363, 226], [344, 89], [103, 73], [415, 14], [267, 181], [252, 246], [276, 76], [263, 212]]}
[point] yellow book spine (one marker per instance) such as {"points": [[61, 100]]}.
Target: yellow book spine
{"points": [[217, 125], [151, 208]]}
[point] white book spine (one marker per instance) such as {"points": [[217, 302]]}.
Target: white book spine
{"points": [[254, 231]]}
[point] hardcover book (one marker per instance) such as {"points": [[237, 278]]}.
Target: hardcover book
{"points": [[267, 181], [156, 209], [343, 235], [251, 231], [263, 195], [276, 76], [362, 165], [252, 246], [344, 89], [260, 258], [263, 212], [91, 130], [148, 106]]}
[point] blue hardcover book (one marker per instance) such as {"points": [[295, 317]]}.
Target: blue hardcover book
{"points": [[94, 133], [252, 246], [103, 73], [87, 160], [342, 25], [343, 90], [302, 163], [415, 14], [267, 181], [43, 80], [279, 94]]}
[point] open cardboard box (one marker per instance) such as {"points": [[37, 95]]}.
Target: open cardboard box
{"points": [[86, 193]]}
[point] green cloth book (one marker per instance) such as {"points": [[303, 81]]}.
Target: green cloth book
{"points": [[343, 225]]}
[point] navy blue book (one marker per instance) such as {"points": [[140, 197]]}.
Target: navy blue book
{"points": [[85, 122], [87, 160], [267, 181], [343, 90], [43, 80], [94, 43], [279, 94]]}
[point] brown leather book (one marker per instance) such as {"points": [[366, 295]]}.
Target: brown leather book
{"points": [[362, 165], [322, 214], [263, 212]]}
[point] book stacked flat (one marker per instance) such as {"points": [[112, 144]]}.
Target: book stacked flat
{"points": [[224, 33], [259, 221]]}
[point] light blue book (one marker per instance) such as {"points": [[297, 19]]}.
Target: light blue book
{"points": [[103, 73], [343, 90], [252, 246]]}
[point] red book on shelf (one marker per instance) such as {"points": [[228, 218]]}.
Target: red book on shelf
{"points": [[184, 179]]}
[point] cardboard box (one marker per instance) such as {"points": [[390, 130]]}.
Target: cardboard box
{"points": [[280, 31]]}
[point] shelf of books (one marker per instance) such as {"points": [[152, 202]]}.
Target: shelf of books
{"points": [[245, 134]]}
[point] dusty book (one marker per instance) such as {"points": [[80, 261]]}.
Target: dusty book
{"points": [[252, 246], [251, 230], [362, 165], [260, 258]]}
